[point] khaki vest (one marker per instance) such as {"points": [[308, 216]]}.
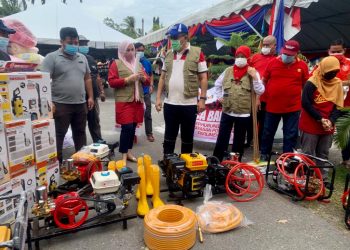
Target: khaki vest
{"points": [[190, 71], [126, 93], [237, 97]]}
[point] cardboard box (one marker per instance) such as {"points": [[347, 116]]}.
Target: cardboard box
{"points": [[44, 140], [12, 88], [25, 181], [4, 164], [19, 145], [48, 174], [26, 95], [42, 83], [7, 211]]}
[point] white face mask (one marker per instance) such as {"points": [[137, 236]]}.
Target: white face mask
{"points": [[241, 62], [265, 50]]}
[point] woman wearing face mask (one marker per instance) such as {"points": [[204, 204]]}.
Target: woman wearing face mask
{"points": [[127, 76], [321, 97], [234, 89]]}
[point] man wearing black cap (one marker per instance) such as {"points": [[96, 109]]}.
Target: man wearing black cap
{"points": [[93, 116], [4, 41], [184, 71], [71, 81]]}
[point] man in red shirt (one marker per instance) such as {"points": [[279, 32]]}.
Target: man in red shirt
{"points": [[284, 79], [260, 61], [337, 49]]}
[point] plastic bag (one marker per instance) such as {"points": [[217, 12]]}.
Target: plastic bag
{"points": [[219, 216]]}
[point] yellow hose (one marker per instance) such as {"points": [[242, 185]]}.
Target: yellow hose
{"points": [[170, 227], [217, 217]]}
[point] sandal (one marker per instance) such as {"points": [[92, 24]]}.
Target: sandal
{"points": [[131, 158], [150, 138]]}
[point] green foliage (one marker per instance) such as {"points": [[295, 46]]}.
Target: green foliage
{"points": [[223, 57], [241, 38], [9, 7], [343, 130], [156, 24]]}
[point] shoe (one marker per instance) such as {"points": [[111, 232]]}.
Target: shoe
{"points": [[150, 138], [131, 158]]}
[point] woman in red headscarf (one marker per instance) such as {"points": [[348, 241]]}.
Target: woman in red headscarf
{"points": [[126, 75], [234, 90]]}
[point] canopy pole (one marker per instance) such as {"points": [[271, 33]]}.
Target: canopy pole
{"points": [[251, 26]]}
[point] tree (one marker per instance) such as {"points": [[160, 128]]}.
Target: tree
{"points": [[127, 27], [24, 2], [241, 38], [156, 25], [9, 7]]}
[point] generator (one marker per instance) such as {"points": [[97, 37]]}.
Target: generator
{"points": [[185, 173]]}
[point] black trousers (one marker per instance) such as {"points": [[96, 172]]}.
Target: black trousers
{"points": [[239, 132], [127, 137], [75, 116], [148, 114], [183, 117], [261, 120], [93, 119]]}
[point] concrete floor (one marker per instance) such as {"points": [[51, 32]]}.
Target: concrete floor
{"points": [[303, 228]]}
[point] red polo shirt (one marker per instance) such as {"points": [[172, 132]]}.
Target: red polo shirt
{"points": [[344, 75], [284, 83], [260, 62]]}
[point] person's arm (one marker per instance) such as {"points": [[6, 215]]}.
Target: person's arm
{"points": [[335, 114], [258, 86], [218, 86], [48, 64], [151, 84], [88, 89], [203, 82], [100, 88], [307, 101], [161, 84]]}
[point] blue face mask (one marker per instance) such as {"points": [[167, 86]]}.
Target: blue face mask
{"points": [[287, 59], [84, 49], [140, 53], [71, 49], [4, 43]]}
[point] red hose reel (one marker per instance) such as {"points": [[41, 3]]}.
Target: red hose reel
{"points": [[71, 211], [243, 182], [306, 179]]}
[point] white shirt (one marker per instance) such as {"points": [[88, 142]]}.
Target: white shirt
{"points": [[176, 81], [258, 87]]}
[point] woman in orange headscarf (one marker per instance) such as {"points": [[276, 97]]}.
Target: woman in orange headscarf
{"points": [[126, 75], [322, 95]]}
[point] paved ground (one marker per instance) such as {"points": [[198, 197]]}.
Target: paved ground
{"points": [[303, 228]]}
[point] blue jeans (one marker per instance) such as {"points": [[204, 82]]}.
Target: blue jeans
{"points": [[290, 131]]}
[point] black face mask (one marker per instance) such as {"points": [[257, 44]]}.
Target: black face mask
{"points": [[330, 75]]}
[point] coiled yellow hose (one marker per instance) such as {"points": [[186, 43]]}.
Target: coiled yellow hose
{"points": [[170, 227], [218, 217]]}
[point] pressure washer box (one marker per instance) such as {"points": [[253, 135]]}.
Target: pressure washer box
{"points": [[24, 181], [44, 140], [4, 164], [42, 83], [48, 174], [12, 89], [19, 145], [7, 211]]}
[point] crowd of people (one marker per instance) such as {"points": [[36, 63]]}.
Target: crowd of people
{"points": [[280, 85]]}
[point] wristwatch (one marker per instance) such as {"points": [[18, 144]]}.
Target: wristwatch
{"points": [[203, 98]]}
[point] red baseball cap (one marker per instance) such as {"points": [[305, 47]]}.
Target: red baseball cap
{"points": [[290, 48]]}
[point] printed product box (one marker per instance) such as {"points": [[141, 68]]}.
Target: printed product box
{"points": [[19, 145], [48, 174], [12, 88], [4, 164], [7, 212], [25, 181], [42, 83], [44, 140]]}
